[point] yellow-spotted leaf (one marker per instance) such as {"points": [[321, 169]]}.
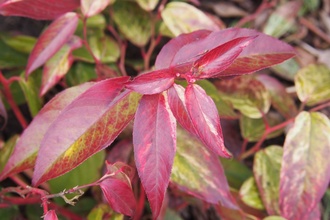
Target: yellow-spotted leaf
{"points": [[312, 84], [266, 168], [77, 134]]}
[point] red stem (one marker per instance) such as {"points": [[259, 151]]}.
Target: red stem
{"points": [[321, 106], [10, 99], [65, 212]]}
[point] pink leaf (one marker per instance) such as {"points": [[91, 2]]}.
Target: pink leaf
{"points": [[51, 40], [152, 82], [204, 116], [154, 139], [220, 58], [26, 149], [93, 7], [57, 66], [50, 215], [79, 131], [37, 9]]}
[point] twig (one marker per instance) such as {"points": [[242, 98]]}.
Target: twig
{"points": [[314, 29]]}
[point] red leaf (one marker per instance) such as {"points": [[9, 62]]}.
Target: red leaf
{"points": [[51, 40], [152, 82], [37, 9], [93, 7], [204, 116], [154, 139], [78, 132], [220, 58], [26, 149], [50, 215]]}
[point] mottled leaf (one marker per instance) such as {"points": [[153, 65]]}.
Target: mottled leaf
{"points": [[58, 65], [249, 194], [51, 40], [37, 9], [312, 84], [21, 43], [280, 99], [181, 17], [152, 82], [305, 171], [266, 168], [253, 129], [92, 7], [104, 113], [204, 116], [133, 22], [6, 150], [148, 5], [26, 149], [154, 139], [3, 115], [198, 172], [10, 58], [246, 94]]}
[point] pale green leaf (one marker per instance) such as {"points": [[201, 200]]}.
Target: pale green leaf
{"points": [[249, 194], [287, 69], [148, 5], [274, 218]]}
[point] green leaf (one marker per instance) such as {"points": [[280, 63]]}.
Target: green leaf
{"points": [[10, 58], [225, 109], [79, 73], [253, 129], [249, 194], [326, 205], [20, 43], [246, 94], [266, 168], [6, 151], [12, 212], [312, 84], [102, 210], [133, 22], [181, 17], [30, 88], [147, 5], [287, 69]]}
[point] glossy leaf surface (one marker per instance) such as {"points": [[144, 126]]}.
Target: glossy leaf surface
{"points": [[305, 171], [133, 22], [204, 116], [37, 9], [246, 94], [198, 172], [249, 194], [26, 149], [266, 168], [57, 66], [312, 83], [51, 40], [92, 7], [181, 17], [154, 139], [102, 111]]}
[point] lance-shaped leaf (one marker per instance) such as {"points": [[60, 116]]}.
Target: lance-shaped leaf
{"points": [[51, 40], [26, 149], [93, 7], [154, 139], [220, 58], [312, 84], [305, 171], [57, 66], [21, 43], [79, 134], [280, 99], [204, 116], [37, 9], [152, 82], [181, 17], [118, 191], [266, 168], [3, 115], [198, 172]]}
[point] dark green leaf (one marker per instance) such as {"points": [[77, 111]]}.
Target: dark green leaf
{"points": [[21, 43], [79, 73], [236, 172], [10, 58]]}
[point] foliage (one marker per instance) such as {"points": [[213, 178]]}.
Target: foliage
{"points": [[107, 122]]}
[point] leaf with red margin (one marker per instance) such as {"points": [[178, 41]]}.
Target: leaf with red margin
{"points": [[26, 149], [205, 118], [305, 171], [220, 58], [38, 9], [198, 172], [154, 139], [57, 66], [117, 189], [51, 40], [152, 82], [92, 7], [86, 126]]}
